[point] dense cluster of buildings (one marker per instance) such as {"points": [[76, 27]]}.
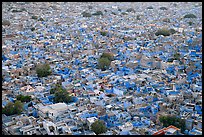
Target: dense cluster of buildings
{"points": [[144, 81]]}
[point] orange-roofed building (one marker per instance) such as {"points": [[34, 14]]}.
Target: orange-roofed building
{"points": [[170, 130]]}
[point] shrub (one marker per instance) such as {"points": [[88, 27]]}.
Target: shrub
{"points": [[43, 70], [163, 8], [164, 32], [98, 127], [190, 16], [150, 7], [190, 23], [103, 33], [130, 10], [98, 13], [6, 23], [86, 14]]}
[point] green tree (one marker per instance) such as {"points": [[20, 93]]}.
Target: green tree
{"points": [[130, 10], [34, 17], [61, 95], [163, 31], [98, 127], [8, 109], [104, 63], [23, 98], [103, 33], [172, 31], [43, 70], [98, 13], [13, 108], [52, 90], [86, 14], [32, 29], [173, 120], [56, 87], [190, 23], [107, 55], [190, 16], [124, 13], [177, 56], [150, 7], [18, 107], [105, 60], [163, 8]]}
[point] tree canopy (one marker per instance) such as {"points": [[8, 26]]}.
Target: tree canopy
{"points": [[107, 55], [163, 8], [98, 127], [177, 56], [103, 33], [61, 95], [43, 70], [86, 14], [172, 120], [98, 13], [190, 16], [34, 17], [23, 98], [150, 7], [105, 60], [130, 10], [104, 63], [13, 108], [163, 31]]}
